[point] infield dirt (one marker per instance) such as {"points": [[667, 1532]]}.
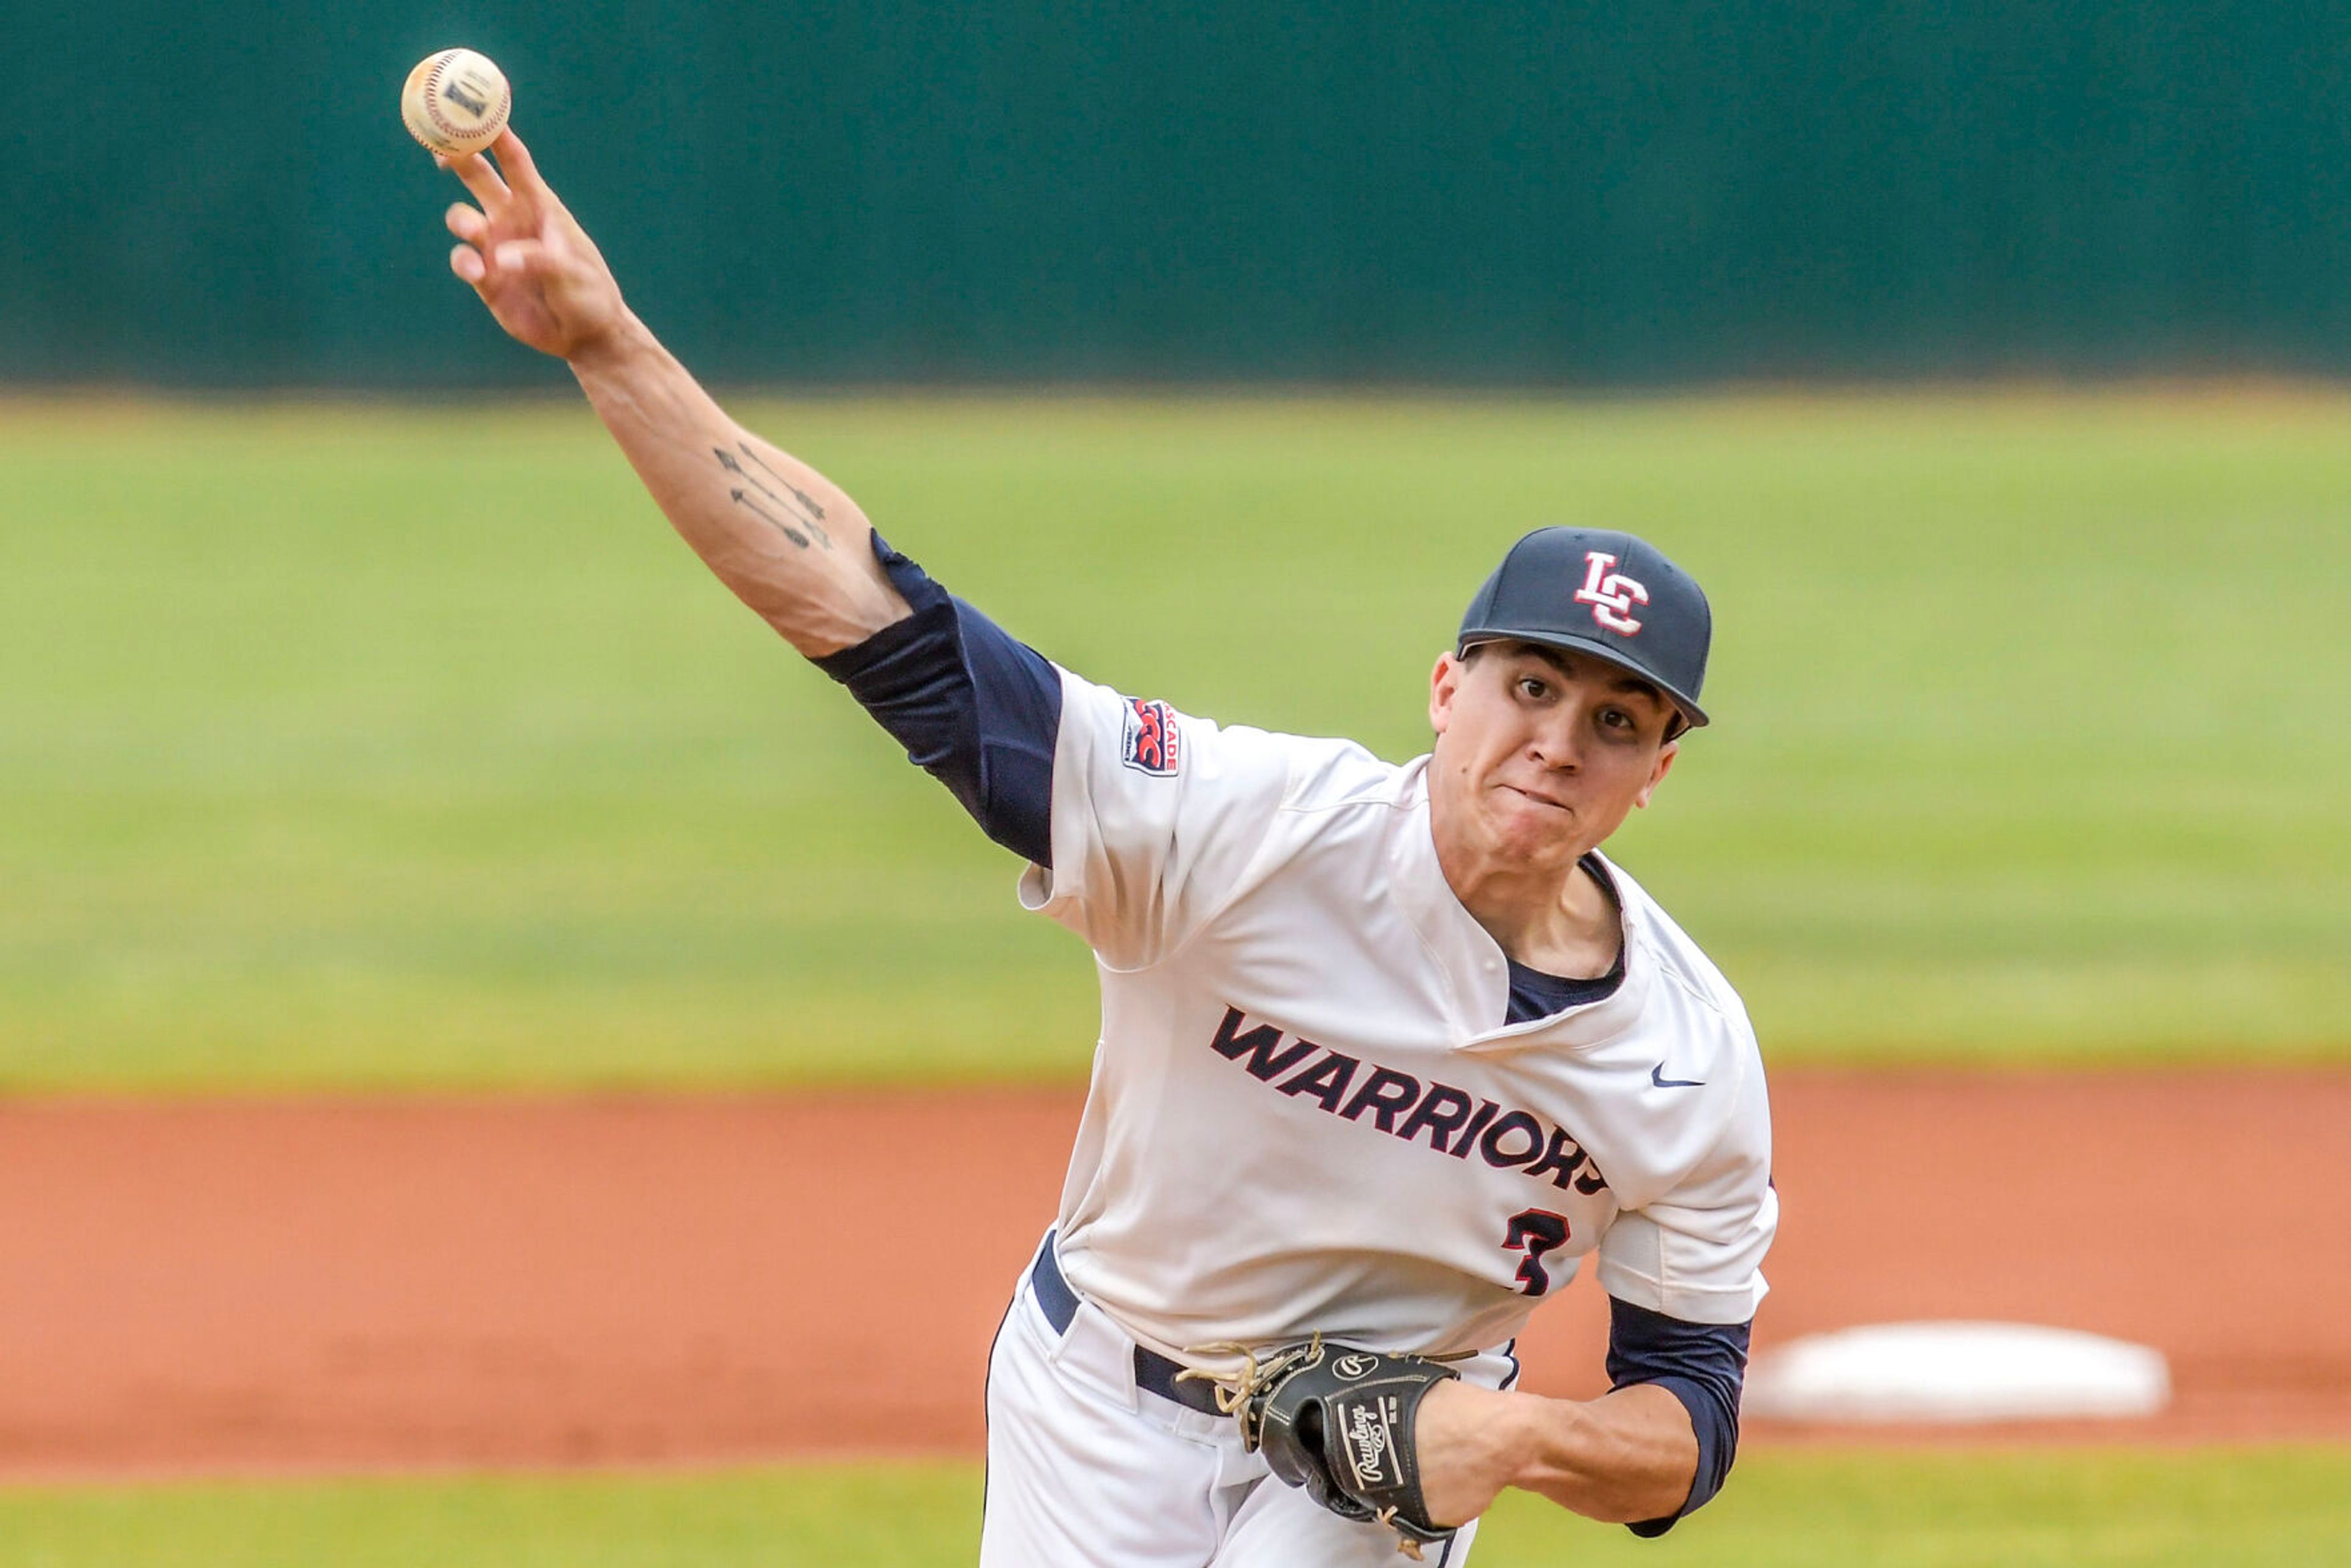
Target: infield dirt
{"points": [[308, 1285]]}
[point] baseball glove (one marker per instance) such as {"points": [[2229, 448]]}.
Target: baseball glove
{"points": [[1338, 1423]]}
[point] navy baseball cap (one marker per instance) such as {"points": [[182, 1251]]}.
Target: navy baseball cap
{"points": [[1597, 592]]}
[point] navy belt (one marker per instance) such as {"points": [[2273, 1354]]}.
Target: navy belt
{"points": [[1152, 1371]]}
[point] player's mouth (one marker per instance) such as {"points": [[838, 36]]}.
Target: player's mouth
{"points": [[1538, 798]]}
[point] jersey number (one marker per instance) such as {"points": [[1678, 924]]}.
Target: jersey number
{"points": [[1535, 1232]]}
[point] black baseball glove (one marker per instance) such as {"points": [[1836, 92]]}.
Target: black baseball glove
{"points": [[1338, 1423]]}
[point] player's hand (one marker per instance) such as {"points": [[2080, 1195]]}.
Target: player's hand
{"points": [[528, 258], [1467, 1444]]}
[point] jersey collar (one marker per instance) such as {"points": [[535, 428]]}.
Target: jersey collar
{"points": [[1476, 971]]}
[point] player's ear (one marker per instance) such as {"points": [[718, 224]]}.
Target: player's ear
{"points": [[1443, 682], [1657, 770]]}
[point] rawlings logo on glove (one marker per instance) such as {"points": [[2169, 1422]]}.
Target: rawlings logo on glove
{"points": [[1337, 1423], [1368, 1444]]}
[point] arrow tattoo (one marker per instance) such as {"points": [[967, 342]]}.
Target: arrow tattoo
{"points": [[807, 501], [811, 511], [788, 531]]}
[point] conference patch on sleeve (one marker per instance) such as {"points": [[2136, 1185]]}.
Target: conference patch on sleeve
{"points": [[1151, 744]]}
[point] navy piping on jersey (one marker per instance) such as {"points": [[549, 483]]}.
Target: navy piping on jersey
{"points": [[980, 712], [975, 708], [1701, 1365]]}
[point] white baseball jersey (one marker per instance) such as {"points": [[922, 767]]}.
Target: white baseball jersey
{"points": [[1308, 1112]]}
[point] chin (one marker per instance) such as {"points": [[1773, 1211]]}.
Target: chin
{"points": [[1553, 852], [1537, 834]]}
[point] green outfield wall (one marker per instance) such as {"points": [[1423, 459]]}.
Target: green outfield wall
{"points": [[1422, 190]]}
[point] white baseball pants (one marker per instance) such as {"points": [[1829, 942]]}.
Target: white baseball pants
{"points": [[1085, 1470]]}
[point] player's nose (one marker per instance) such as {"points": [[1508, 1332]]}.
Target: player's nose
{"points": [[1557, 744]]}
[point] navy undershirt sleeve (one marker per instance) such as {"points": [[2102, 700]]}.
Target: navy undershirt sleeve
{"points": [[1701, 1365], [974, 708]]}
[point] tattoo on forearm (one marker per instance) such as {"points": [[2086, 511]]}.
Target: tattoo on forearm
{"points": [[805, 513], [768, 517], [808, 503]]}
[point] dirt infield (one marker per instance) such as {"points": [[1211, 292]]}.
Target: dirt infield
{"points": [[304, 1285]]}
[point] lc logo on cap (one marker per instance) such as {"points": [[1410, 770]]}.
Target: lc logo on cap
{"points": [[1603, 591], [1611, 594]]}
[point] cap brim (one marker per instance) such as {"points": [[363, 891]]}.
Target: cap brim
{"points": [[1692, 714]]}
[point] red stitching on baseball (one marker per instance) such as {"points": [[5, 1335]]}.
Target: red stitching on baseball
{"points": [[432, 103]]}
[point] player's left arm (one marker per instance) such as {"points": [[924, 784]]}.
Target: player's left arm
{"points": [[1684, 1277], [1658, 1445], [1622, 1458]]}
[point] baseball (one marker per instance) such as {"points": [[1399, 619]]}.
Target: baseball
{"points": [[457, 101]]}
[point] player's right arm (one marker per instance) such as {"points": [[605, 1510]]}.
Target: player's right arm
{"points": [[1130, 849], [788, 541]]}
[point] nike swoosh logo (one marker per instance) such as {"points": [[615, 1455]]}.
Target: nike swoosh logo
{"points": [[1657, 1076]]}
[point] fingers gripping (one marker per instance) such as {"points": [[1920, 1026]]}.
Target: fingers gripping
{"points": [[514, 159], [529, 251], [482, 179], [482, 252], [520, 250], [468, 225], [528, 257]]}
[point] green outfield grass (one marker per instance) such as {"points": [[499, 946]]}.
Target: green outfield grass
{"points": [[2280, 1508], [367, 746]]}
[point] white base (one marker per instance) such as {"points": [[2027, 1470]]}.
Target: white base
{"points": [[1956, 1372]]}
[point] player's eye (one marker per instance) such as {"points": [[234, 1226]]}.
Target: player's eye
{"points": [[1533, 687], [1616, 718]]}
